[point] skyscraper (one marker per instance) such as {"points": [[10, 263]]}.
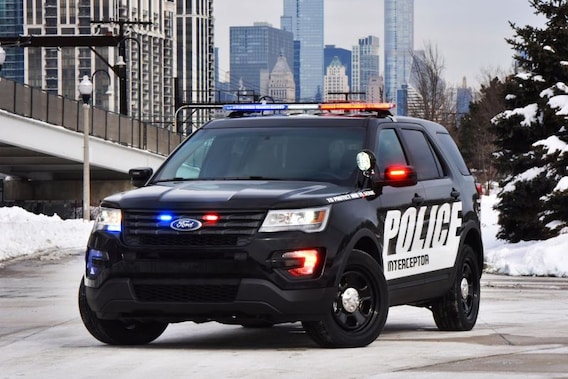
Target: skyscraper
{"points": [[304, 18], [254, 51], [336, 82], [281, 85], [195, 54], [12, 24], [399, 44], [344, 55], [365, 64]]}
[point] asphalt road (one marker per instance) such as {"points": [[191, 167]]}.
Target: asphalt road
{"points": [[522, 332]]}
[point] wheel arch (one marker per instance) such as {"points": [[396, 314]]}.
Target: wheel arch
{"points": [[365, 240], [473, 239]]}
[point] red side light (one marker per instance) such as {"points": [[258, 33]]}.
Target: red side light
{"points": [[396, 173], [211, 217], [303, 262]]}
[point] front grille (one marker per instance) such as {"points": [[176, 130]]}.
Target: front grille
{"points": [[234, 228], [212, 293]]}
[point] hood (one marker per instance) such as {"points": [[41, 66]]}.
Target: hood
{"points": [[227, 194]]}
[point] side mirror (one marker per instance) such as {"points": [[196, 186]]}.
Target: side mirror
{"points": [[139, 176], [400, 176]]}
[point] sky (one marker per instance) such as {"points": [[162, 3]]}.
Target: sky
{"points": [[470, 35], [24, 235]]}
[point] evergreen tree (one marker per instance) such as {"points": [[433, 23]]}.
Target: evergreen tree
{"points": [[475, 134], [532, 132]]}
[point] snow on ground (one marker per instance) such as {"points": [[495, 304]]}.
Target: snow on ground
{"points": [[25, 235]]}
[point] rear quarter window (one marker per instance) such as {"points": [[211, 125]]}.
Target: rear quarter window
{"points": [[451, 150]]}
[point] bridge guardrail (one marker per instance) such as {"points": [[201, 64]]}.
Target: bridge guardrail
{"points": [[54, 109]]}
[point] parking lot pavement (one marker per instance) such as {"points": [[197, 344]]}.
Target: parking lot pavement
{"points": [[521, 333]]}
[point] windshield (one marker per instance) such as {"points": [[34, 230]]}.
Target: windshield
{"points": [[276, 153]]}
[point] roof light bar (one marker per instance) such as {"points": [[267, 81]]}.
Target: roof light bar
{"points": [[262, 107], [357, 106], [254, 107], [304, 107]]}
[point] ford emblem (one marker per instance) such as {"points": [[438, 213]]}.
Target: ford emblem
{"points": [[185, 224]]}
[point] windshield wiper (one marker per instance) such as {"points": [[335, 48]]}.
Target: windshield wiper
{"points": [[177, 179]]}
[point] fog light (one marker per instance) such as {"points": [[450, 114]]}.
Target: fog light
{"points": [[96, 260], [301, 263]]}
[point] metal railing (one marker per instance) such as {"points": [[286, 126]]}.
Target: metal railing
{"points": [[51, 108]]}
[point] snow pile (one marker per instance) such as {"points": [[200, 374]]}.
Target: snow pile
{"points": [[23, 233], [528, 258]]}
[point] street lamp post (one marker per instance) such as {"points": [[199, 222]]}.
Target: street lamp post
{"points": [[123, 51], [85, 89], [108, 91]]}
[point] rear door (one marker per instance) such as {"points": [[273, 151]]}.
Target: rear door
{"points": [[439, 217]]}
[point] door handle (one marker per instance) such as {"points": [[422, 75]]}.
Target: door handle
{"points": [[417, 199], [455, 194]]}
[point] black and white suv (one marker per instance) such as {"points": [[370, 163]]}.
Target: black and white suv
{"points": [[326, 218]]}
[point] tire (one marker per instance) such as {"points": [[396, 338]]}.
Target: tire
{"points": [[117, 332], [458, 309], [359, 312]]}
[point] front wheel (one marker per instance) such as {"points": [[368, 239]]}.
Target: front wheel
{"points": [[359, 312], [458, 309], [117, 332]]}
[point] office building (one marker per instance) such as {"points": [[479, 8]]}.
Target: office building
{"points": [[167, 53], [344, 55], [364, 66], [195, 56], [254, 51], [464, 97], [12, 24], [305, 19], [335, 82], [281, 85], [399, 44]]}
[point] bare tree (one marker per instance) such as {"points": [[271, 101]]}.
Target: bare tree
{"points": [[433, 100]]}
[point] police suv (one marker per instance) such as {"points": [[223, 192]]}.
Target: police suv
{"points": [[327, 217]]}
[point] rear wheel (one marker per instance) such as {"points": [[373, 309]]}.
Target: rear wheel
{"points": [[359, 311], [117, 332], [458, 309]]}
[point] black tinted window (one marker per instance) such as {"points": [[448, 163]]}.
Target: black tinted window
{"points": [[450, 148], [422, 155], [299, 153], [389, 150]]}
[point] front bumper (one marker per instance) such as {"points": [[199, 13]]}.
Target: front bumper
{"points": [[227, 301], [225, 284]]}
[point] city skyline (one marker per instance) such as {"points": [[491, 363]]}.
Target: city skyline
{"points": [[470, 35]]}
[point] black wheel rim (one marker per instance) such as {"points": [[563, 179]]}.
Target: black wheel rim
{"points": [[468, 301], [366, 310]]}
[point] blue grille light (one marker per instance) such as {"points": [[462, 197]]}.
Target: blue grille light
{"points": [[165, 217]]}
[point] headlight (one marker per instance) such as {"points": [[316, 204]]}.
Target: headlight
{"points": [[309, 220], [109, 219]]}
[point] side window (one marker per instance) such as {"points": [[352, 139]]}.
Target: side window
{"points": [[450, 148], [422, 155], [389, 150]]}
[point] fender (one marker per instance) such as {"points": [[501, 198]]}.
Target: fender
{"points": [[360, 237]]}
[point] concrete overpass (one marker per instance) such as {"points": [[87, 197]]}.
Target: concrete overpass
{"points": [[41, 147]]}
